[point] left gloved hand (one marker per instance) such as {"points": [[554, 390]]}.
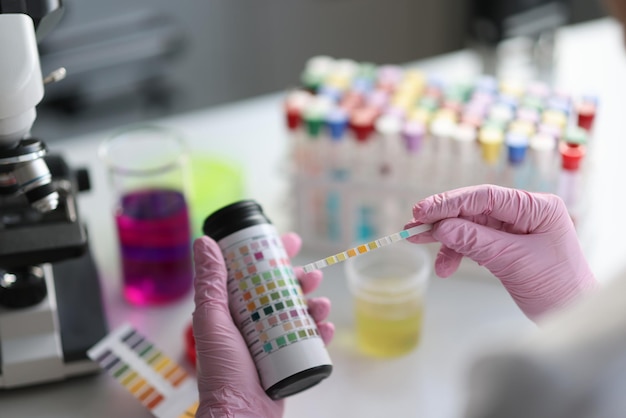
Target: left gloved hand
{"points": [[228, 381]]}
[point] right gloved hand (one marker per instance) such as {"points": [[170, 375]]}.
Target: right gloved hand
{"points": [[527, 240]]}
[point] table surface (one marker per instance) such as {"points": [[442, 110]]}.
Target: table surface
{"points": [[462, 313]]}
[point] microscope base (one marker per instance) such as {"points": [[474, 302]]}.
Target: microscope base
{"points": [[49, 342]]}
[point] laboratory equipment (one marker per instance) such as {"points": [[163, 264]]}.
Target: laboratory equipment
{"points": [[147, 373], [149, 173], [266, 301], [50, 302], [388, 287], [452, 133]]}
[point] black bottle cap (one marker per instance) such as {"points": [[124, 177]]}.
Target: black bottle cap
{"points": [[233, 218]]}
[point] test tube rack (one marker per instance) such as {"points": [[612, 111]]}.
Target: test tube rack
{"points": [[367, 142]]}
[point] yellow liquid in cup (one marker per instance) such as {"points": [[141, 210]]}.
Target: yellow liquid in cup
{"points": [[388, 329]]}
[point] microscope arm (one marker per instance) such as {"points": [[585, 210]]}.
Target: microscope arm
{"points": [[21, 83]]}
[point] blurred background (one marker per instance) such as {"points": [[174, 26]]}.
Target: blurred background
{"points": [[133, 60]]}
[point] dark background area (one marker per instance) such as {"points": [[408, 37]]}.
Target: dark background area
{"points": [[132, 60]]}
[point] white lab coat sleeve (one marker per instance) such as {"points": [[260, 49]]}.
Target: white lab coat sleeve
{"points": [[572, 366]]}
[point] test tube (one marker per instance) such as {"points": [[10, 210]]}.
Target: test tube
{"points": [[491, 139], [517, 174], [465, 150], [572, 154], [295, 103], [338, 175], [389, 129], [542, 150]]}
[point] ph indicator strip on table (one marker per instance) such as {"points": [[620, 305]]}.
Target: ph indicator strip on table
{"points": [[366, 247], [153, 378]]}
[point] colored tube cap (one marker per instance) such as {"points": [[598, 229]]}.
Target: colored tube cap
{"points": [[571, 155], [490, 140], [337, 121], [517, 144], [586, 113], [362, 122], [575, 135], [413, 134], [295, 103]]}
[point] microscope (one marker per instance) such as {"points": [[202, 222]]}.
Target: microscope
{"points": [[51, 309]]}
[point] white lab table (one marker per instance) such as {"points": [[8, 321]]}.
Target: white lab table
{"points": [[461, 311]]}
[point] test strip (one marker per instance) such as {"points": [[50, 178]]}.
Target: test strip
{"points": [[153, 378], [367, 247]]}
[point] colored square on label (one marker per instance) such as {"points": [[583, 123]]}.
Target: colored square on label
{"points": [[277, 273], [248, 259], [362, 249], [271, 286], [275, 296], [281, 341], [283, 316], [294, 291], [292, 337], [259, 326], [264, 243], [310, 331], [282, 283], [272, 320], [372, 245], [289, 303], [297, 323], [255, 316], [255, 245], [243, 250], [330, 260], [285, 293], [294, 313], [230, 255], [404, 234], [247, 296], [251, 269], [268, 310], [316, 331], [351, 252], [264, 300], [341, 256], [267, 347], [259, 290], [243, 285], [263, 337], [258, 256], [256, 280], [273, 262], [267, 275], [287, 326], [238, 275], [279, 306], [251, 306], [302, 333]]}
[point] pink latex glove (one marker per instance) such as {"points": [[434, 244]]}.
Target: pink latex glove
{"points": [[228, 382], [527, 240]]}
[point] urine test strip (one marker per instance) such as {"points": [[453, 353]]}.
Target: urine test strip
{"points": [[366, 247], [154, 379]]}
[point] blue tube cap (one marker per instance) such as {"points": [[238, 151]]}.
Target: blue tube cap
{"points": [[517, 144], [337, 121]]}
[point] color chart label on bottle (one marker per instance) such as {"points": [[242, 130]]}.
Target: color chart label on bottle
{"points": [[267, 301], [153, 378]]}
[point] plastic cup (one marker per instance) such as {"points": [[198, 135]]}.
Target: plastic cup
{"points": [[148, 168], [388, 286]]}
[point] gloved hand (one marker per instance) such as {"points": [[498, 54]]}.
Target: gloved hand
{"points": [[527, 240], [228, 382]]}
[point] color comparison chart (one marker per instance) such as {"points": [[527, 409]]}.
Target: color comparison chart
{"points": [[154, 379], [268, 302]]}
